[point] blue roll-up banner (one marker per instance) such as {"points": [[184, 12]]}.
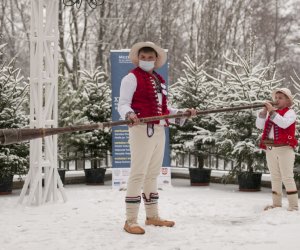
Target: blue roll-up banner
{"points": [[121, 66]]}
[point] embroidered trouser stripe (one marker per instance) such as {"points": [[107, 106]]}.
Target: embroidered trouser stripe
{"points": [[153, 198], [291, 192], [136, 199]]}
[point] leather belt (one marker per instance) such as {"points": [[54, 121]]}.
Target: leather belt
{"points": [[270, 143], [276, 145]]}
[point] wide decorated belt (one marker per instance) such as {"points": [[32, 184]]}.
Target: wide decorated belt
{"points": [[271, 143]]}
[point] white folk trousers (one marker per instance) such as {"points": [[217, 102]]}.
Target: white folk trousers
{"points": [[146, 161], [281, 163]]}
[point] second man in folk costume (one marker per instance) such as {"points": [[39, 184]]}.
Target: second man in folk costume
{"points": [[279, 141]]}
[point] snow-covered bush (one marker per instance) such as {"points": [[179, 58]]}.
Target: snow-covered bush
{"points": [[13, 94]]}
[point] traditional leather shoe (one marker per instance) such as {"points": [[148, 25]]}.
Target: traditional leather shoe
{"points": [[270, 207], [156, 221], [133, 228]]}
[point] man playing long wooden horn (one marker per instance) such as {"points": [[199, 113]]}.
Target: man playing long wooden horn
{"points": [[279, 141], [143, 94]]}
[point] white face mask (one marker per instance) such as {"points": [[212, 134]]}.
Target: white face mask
{"points": [[146, 65]]}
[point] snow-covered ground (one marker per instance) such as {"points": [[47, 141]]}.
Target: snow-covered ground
{"points": [[214, 217]]}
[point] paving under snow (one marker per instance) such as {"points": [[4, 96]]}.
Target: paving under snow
{"points": [[214, 217]]}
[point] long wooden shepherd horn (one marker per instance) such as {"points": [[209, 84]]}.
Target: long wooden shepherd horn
{"points": [[11, 136]]}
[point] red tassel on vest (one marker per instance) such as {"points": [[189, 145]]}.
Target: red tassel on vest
{"points": [[145, 100], [281, 136]]}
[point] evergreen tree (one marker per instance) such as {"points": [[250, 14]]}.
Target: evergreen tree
{"points": [[296, 85], [13, 94], [97, 108], [89, 103], [244, 83], [296, 106], [70, 113], [195, 89]]}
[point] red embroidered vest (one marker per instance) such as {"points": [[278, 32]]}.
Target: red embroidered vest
{"points": [[281, 136], [145, 100]]}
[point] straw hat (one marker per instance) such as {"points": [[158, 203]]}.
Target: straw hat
{"points": [[285, 91], [162, 55]]}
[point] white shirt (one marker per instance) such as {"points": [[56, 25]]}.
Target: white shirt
{"points": [[128, 87], [281, 121]]}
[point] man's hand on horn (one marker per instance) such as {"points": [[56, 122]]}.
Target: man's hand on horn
{"points": [[192, 111], [269, 107], [131, 116]]}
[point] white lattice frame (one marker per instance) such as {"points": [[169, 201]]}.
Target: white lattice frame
{"points": [[43, 104]]}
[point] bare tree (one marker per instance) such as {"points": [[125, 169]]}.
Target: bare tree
{"points": [[206, 30]]}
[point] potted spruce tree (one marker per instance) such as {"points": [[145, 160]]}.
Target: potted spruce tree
{"points": [[69, 113], [13, 161], [249, 166], [200, 146], [88, 102], [97, 109], [13, 93], [195, 88], [244, 83]]}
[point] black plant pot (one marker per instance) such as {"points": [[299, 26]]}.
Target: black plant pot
{"points": [[200, 176], [6, 184], [62, 174], [95, 176], [249, 182]]}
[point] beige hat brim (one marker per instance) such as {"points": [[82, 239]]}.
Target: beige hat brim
{"points": [[162, 55], [283, 91]]}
